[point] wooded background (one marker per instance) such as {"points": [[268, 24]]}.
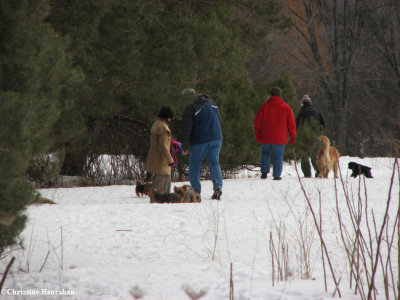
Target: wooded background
{"points": [[84, 78]]}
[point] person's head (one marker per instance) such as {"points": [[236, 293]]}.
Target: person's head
{"points": [[166, 113], [305, 99], [275, 91], [189, 91]]}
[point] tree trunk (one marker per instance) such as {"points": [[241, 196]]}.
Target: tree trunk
{"points": [[74, 164]]}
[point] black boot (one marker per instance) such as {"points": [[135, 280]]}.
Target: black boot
{"points": [[217, 194]]}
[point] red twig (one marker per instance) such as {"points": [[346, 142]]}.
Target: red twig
{"points": [[320, 234], [371, 286], [3, 279]]}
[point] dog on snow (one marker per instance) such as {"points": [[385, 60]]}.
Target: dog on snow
{"points": [[358, 169], [142, 188], [328, 158], [187, 194]]}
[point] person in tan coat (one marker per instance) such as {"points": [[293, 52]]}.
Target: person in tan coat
{"points": [[159, 159]]}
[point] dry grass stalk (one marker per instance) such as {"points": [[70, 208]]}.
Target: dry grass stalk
{"points": [[231, 290], [3, 279], [214, 219], [398, 256], [271, 249], [322, 248], [371, 287], [365, 241], [304, 238], [316, 223], [280, 256]]}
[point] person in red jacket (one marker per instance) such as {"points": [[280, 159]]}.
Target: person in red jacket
{"points": [[274, 120]]}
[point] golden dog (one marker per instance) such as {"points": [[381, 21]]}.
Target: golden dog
{"points": [[328, 158]]}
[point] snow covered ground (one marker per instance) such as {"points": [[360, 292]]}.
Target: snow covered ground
{"points": [[107, 243]]}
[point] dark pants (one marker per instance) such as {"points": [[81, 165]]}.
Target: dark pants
{"points": [[306, 167]]}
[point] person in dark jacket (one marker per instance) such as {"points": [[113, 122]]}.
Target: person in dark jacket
{"points": [[309, 112], [274, 120], [201, 132]]}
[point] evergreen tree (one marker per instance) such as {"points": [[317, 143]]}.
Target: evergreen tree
{"points": [[307, 139], [77, 22], [138, 56], [33, 76]]}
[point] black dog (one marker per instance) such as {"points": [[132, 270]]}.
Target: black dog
{"points": [[359, 170], [142, 188]]}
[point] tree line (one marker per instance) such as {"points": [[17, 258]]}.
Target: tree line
{"points": [[346, 54], [84, 78]]}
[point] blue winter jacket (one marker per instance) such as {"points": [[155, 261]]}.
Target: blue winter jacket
{"points": [[201, 122]]}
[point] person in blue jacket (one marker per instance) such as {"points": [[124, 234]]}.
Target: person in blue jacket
{"points": [[201, 132]]}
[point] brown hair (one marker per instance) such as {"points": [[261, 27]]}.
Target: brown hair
{"points": [[275, 91]]}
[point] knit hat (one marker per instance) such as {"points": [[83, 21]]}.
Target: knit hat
{"points": [[306, 98]]}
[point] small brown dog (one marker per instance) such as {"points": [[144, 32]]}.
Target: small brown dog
{"points": [[142, 189], [157, 196], [187, 194], [328, 158]]}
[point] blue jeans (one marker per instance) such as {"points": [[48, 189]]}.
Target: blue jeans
{"points": [[210, 152], [277, 150]]}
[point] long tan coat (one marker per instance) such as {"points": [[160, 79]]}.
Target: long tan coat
{"points": [[159, 156]]}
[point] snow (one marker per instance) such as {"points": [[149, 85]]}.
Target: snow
{"points": [[107, 243]]}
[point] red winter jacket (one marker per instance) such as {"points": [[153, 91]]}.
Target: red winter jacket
{"points": [[273, 121]]}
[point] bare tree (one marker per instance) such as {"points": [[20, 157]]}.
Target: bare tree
{"points": [[385, 27], [329, 38]]}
